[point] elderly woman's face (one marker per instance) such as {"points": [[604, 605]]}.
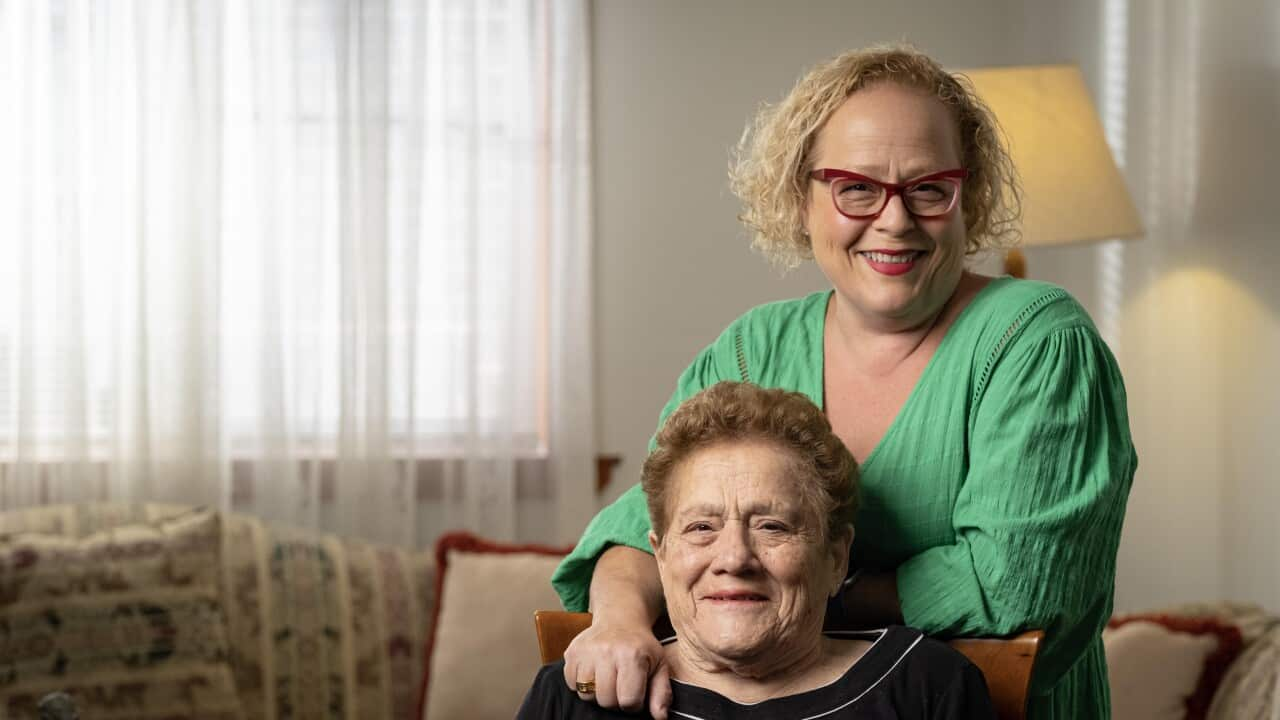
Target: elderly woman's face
{"points": [[895, 267], [744, 566]]}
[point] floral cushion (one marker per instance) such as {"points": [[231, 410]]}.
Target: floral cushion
{"points": [[127, 620]]}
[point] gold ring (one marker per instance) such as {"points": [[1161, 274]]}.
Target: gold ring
{"points": [[586, 687]]}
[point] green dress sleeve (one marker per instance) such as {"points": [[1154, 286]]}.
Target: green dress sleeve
{"points": [[1037, 519], [626, 520]]}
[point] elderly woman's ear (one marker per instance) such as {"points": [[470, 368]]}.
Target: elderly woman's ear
{"points": [[841, 539]]}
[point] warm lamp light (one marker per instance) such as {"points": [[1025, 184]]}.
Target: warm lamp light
{"points": [[1072, 190]]}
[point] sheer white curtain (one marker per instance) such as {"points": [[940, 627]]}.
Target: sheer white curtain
{"points": [[327, 261]]}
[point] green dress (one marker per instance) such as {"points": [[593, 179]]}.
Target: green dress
{"points": [[997, 493]]}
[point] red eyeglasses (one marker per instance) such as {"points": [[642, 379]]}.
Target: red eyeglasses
{"points": [[862, 198]]}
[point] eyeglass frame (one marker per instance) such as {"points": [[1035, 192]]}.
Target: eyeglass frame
{"points": [[828, 174]]}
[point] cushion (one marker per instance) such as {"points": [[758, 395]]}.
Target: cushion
{"points": [[1166, 666], [483, 655], [126, 620]]}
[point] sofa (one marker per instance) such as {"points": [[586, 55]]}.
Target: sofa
{"points": [[159, 611], [156, 611]]}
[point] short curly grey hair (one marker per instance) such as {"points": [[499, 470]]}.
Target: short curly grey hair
{"points": [[770, 171], [731, 412]]}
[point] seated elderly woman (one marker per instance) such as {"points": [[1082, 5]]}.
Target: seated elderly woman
{"points": [[751, 498]]}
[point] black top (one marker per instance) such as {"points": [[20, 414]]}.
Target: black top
{"points": [[902, 675]]}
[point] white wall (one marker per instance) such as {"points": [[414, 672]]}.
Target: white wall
{"points": [[1238, 154], [1198, 322]]}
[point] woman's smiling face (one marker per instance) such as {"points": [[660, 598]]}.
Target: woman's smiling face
{"points": [[895, 269], [745, 566]]}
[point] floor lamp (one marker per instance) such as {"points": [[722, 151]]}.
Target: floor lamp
{"points": [[1072, 190]]}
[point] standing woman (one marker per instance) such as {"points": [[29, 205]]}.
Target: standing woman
{"points": [[987, 414]]}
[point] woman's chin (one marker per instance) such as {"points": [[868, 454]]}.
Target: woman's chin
{"points": [[736, 638], [902, 300], [741, 653], [889, 301]]}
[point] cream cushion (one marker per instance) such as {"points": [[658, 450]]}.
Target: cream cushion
{"points": [[1153, 670], [127, 620], [485, 635]]}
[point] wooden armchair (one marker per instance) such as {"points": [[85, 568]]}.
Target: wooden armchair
{"points": [[1006, 663]]}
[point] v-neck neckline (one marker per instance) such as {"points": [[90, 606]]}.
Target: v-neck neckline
{"points": [[821, 390], [888, 647]]}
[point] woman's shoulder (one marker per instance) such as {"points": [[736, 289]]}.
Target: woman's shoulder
{"points": [[897, 644], [911, 668], [1010, 312], [1010, 302], [927, 664], [932, 655], [949, 684], [768, 344], [773, 318]]}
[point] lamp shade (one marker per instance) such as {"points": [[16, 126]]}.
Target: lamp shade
{"points": [[1072, 190]]}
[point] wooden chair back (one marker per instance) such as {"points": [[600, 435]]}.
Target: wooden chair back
{"points": [[1006, 663]]}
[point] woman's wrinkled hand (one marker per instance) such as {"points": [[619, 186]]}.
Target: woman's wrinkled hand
{"points": [[622, 662]]}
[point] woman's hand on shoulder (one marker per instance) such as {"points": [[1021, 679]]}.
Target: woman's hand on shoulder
{"points": [[622, 662]]}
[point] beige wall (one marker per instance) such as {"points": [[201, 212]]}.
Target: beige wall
{"points": [[1199, 321]]}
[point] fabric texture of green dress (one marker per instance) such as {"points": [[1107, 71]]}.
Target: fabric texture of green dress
{"points": [[998, 492]]}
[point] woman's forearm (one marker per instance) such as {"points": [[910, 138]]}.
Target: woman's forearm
{"points": [[625, 589]]}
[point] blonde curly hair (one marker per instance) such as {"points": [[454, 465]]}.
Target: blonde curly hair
{"points": [[770, 171]]}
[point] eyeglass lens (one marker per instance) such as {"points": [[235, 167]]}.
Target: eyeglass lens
{"points": [[860, 197]]}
